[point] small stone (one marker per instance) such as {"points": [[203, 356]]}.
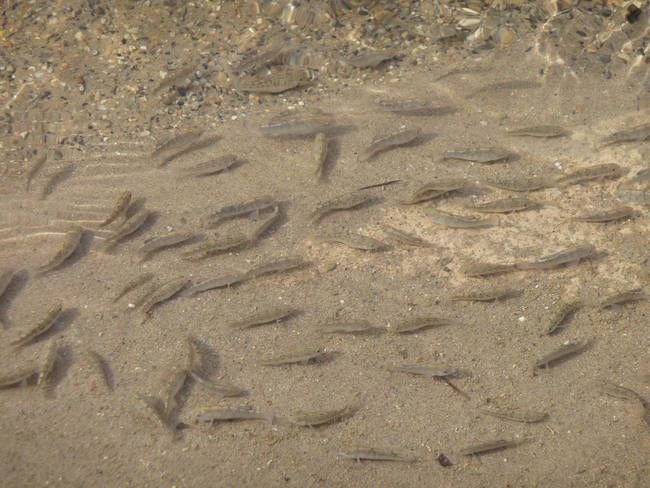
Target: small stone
{"points": [[504, 35]]}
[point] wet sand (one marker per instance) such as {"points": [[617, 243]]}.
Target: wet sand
{"points": [[77, 433]]}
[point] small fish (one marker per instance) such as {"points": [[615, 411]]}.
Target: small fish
{"points": [[566, 350], [212, 247], [181, 150], [374, 454], [413, 107], [515, 415], [34, 169], [371, 60], [588, 173], [355, 241], [505, 205], [177, 78], [163, 293], [150, 409], [348, 327], [428, 371], [639, 133], [156, 244], [277, 81], [342, 202], [420, 196], [302, 356], [265, 225], [621, 212], [379, 185], [456, 221], [194, 360], [635, 196], [435, 189], [532, 183], [70, 243], [239, 210], [265, 58], [570, 255], [486, 295], [224, 281], [616, 391], [486, 269], [177, 379], [482, 156], [319, 153], [506, 86], [624, 297], [488, 446], [119, 209], [214, 414], [312, 419], [219, 390], [542, 131], [420, 323], [296, 124], [6, 275], [176, 143], [561, 314], [137, 302], [129, 227], [274, 314], [98, 364], [56, 179], [133, 284], [49, 364], [49, 319], [281, 265], [404, 237], [18, 374], [642, 176], [389, 142], [211, 167]]}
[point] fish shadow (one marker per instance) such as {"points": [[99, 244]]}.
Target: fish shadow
{"points": [[14, 288], [369, 332], [340, 129], [326, 357], [62, 364], [210, 362], [438, 111], [280, 220], [135, 206], [237, 164], [316, 220], [333, 153], [421, 139]]}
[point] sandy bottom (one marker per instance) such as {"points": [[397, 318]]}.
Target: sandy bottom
{"points": [[76, 432]]}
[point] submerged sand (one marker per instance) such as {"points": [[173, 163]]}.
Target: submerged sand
{"points": [[77, 432]]}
